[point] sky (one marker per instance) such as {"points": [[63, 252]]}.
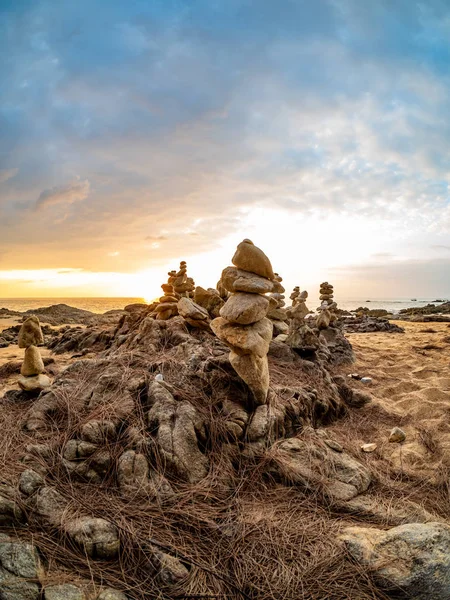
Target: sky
{"points": [[137, 134]]}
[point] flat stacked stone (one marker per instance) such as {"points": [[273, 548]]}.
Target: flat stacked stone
{"points": [[243, 324], [294, 296], [32, 378], [168, 303]]}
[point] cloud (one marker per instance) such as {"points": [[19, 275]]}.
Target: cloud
{"points": [[63, 194], [440, 247], [185, 117], [6, 174]]}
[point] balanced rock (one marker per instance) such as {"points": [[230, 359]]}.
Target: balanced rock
{"points": [[30, 333], [237, 280], [33, 363], [209, 299], [250, 258], [244, 308], [194, 314], [244, 339]]}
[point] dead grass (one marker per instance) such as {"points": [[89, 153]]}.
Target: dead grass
{"points": [[240, 532]]}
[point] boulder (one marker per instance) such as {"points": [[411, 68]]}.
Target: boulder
{"points": [[32, 362], [412, 559], [244, 308], [30, 333], [249, 257]]}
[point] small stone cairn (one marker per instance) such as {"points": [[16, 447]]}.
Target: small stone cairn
{"points": [[277, 312], [178, 285], [327, 308], [300, 336], [243, 324], [182, 284], [32, 378]]}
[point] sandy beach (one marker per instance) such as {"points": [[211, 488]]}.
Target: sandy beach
{"points": [[411, 389]]}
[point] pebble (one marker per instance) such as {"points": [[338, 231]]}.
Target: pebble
{"points": [[397, 435], [159, 377], [368, 447], [366, 379]]}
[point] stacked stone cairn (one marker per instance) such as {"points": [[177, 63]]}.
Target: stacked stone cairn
{"points": [[32, 378], [243, 324], [277, 312], [178, 285], [182, 284], [327, 309], [300, 336], [294, 296]]}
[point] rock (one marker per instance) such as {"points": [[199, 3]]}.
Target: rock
{"points": [[30, 333], [279, 327], [63, 591], [245, 309], [278, 314], [50, 505], [10, 511], [36, 383], [369, 447], [78, 449], [177, 428], [208, 299], [397, 435], [244, 339], [254, 370], [97, 537], [249, 257], [30, 482], [307, 461], [188, 309], [32, 363], [414, 558], [236, 280], [98, 432], [20, 570], [323, 320]]}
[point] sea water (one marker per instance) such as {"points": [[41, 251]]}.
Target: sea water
{"points": [[101, 305]]}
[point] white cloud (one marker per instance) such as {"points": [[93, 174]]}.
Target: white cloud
{"points": [[6, 174]]}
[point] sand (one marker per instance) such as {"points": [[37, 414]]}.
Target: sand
{"points": [[411, 389]]}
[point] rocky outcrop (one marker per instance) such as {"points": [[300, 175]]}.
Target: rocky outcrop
{"points": [[366, 324]]}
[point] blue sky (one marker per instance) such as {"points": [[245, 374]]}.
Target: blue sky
{"points": [[138, 133]]}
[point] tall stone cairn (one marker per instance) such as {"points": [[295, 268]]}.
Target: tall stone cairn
{"points": [[328, 306], [31, 377], [243, 325], [182, 284]]}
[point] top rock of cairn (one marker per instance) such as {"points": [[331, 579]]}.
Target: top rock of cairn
{"points": [[30, 333], [249, 257]]}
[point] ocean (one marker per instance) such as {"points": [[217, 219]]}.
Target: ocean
{"points": [[101, 305]]}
